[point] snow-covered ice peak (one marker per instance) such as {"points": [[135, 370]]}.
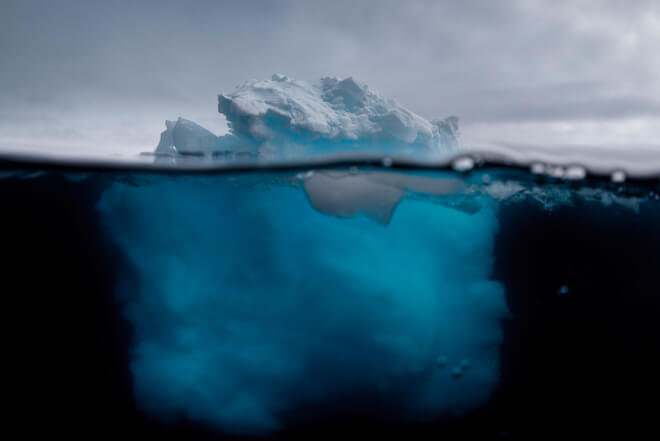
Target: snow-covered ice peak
{"points": [[185, 135], [333, 114], [333, 109]]}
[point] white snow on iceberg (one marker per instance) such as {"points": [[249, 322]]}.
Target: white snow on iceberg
{"points": [[283, 116]]}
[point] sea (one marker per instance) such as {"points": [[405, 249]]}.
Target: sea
{"points": [[329, 299]]}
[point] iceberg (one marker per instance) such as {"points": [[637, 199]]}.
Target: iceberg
{"points": [[265, 307], [288, 116]]}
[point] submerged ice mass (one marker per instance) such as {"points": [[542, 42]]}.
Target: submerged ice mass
{"points": [[255, 300], [284, 115]]}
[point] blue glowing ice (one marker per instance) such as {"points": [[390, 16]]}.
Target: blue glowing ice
{"points": [[249, 303]]}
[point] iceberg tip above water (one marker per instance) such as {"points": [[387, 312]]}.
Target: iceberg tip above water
{"points": [[282, 114]]}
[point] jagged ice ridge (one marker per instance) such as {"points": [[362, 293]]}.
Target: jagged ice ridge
{"points": [[281, 114]]}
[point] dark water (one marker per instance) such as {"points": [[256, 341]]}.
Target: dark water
{"points": [[489, 305]]}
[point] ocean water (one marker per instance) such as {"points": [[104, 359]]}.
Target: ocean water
{"points": [[329, 300]]}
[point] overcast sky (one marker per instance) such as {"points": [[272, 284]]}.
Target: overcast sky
{"points": [[106, 74]]}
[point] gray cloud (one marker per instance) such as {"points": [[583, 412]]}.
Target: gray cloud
{"points": [[117, 70]]}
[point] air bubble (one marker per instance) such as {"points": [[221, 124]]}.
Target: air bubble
{"points": [[575, 173], [563, 290], [387, 162], [441, 361], [463, 164], [618, 176], [538, 168], [556, 172]]}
